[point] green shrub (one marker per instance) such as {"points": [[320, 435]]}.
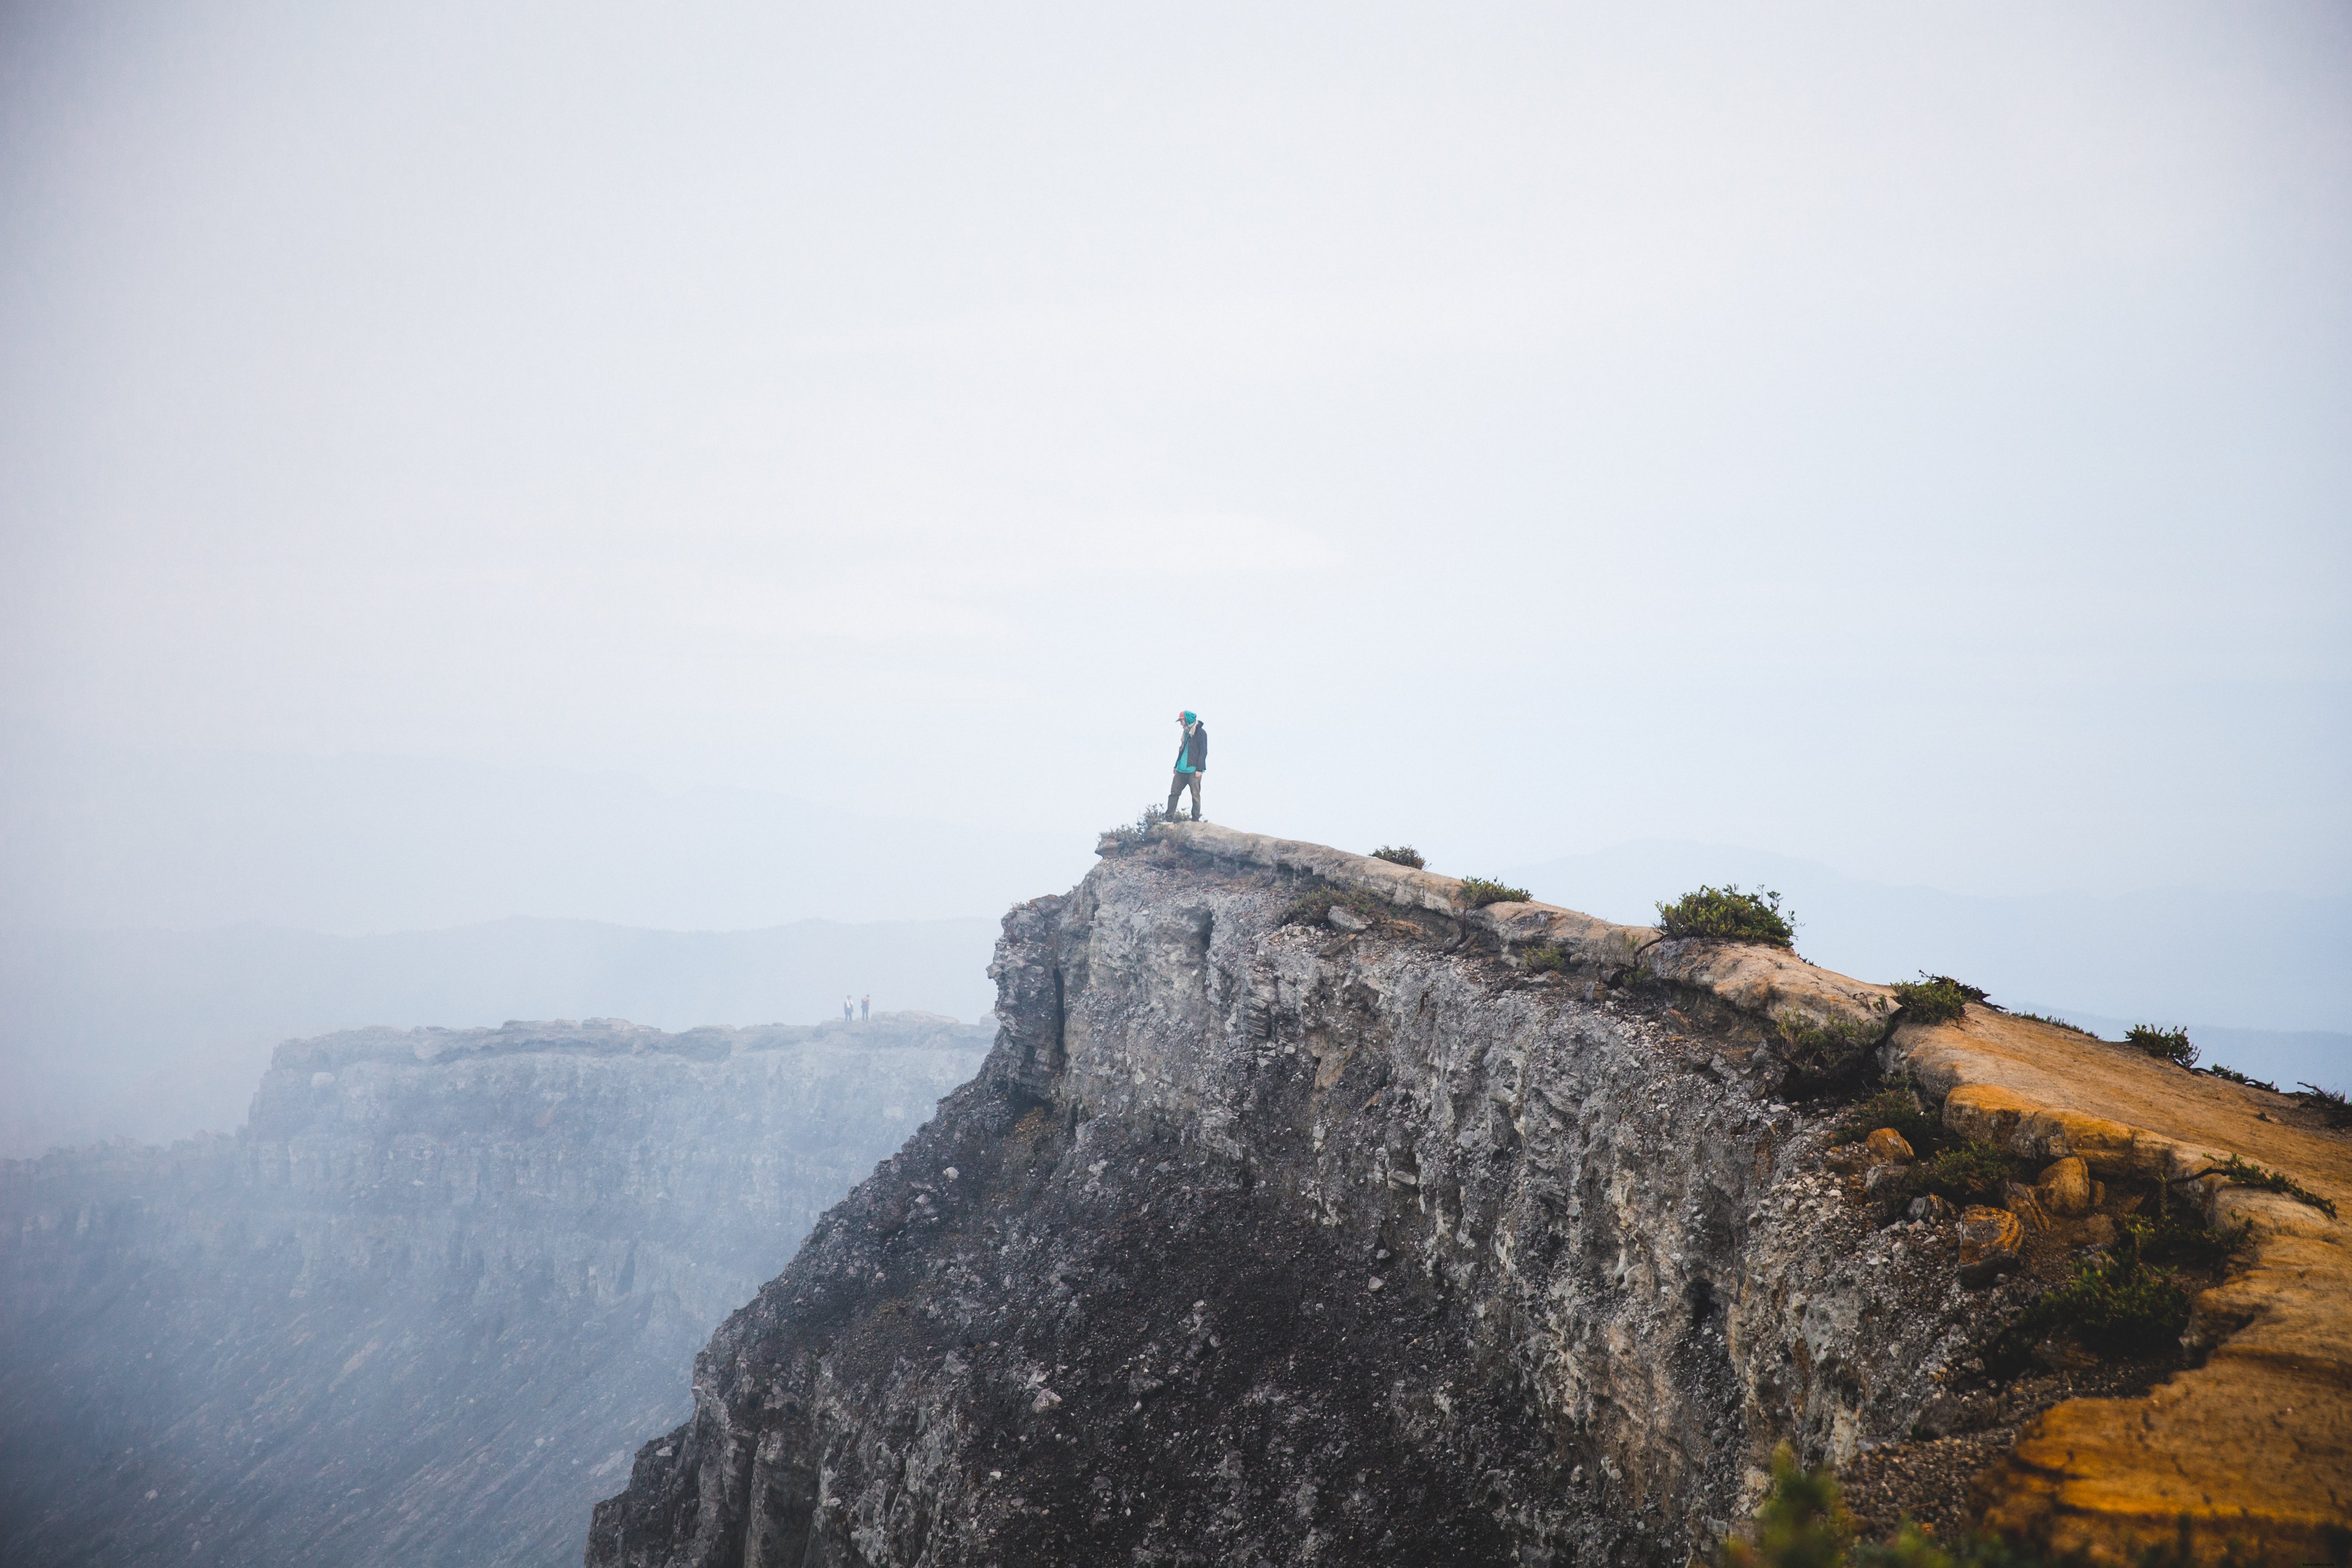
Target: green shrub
{"points": [[2165, 1045], [1115, 840], [2329, 1103], [1832, 1049], [1973, 1173], [2056, 1023], [1897, 1108], [1400, 854], [1544, 957], [1314, 906], [2114, 1306], [1934, 999], [2245, 1173], [1802, 1524], [1478, 892], [2170, 1239], [2232, 1075], [1729, 915]]}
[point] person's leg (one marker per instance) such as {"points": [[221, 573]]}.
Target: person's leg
{"points": [[1175, 790], [1194, 780]]}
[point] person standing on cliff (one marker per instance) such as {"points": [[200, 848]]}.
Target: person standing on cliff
{"points": [[865, 1007], [1191, 762]]}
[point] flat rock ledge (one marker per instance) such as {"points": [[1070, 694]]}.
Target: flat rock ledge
{"points": [[1806, 1001]]}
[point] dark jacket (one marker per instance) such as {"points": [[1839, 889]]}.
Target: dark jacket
{"points": [[1193, 755]]}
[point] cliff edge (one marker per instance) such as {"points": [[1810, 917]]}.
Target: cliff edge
{"points": [[1302, 1214]]}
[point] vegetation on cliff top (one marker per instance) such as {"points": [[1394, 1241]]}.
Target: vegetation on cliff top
{"points": [[1898, 1107], [2331, 1105], [1479, 891], [1972, 1173], [1934, 999], [2055, 1023], [2243, 1173], [1728, 914], [1128, 835], [1400, 855], [2165, 1045], [1314, 906]]}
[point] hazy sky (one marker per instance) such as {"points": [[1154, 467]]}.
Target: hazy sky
{"points": [[1915, 437]]}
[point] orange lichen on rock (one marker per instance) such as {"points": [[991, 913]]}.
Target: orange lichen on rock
{"points": [[2254, 1446]]}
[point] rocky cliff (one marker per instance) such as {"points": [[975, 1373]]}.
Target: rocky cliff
{"points": [[1304, 1213], [420, 1308]]}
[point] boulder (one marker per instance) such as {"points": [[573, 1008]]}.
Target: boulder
{"points": [[1346, 919], [1991, 1242], [2018, 1199], [1884, 1177], [1931, 1207], [2064, 1188], [1888, 1147]]}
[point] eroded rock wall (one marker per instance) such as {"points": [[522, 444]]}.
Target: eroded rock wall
{"points": [[1273, 1244], [419, 1309]]}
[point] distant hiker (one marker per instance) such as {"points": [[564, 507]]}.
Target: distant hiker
{"points": [[865, 1007], [1191, 762], [848, 1009]]}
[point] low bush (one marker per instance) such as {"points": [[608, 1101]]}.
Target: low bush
{"points": [[2243, 1173], [1400, 854], [1478, 892], [1729, 915], [1544, 957], [1934, 999], [2191, 1243], [2165, 1045], [2232, 1075], [2330, 1104], [1314, 906], [1897, 1108], [2116, 1306], [1972, 1173], [1972, 992], [1130, 836], [2056, 1023]]}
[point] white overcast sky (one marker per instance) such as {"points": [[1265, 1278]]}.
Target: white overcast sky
{"points": [[1916, 438]]}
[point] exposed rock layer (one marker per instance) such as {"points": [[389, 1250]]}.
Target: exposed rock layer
{"points": [[419, 1310], [2256, 1444]]}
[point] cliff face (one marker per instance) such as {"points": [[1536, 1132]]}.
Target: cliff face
{"points": [[1372, 1229], [419, 1310], [1265, 1243]]}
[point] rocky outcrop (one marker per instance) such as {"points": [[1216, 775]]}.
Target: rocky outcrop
{"points": [[2253, 1444], [417, 1311], [1282, 1229], [1354, 1242]]}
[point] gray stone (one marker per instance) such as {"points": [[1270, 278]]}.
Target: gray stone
{"points": [[1604, 1307]]}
